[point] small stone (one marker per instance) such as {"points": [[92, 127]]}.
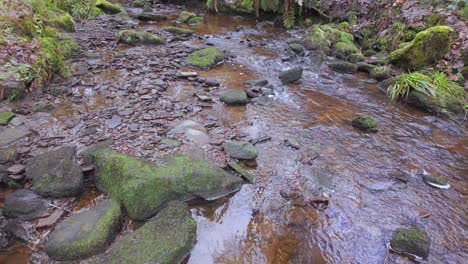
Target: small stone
{"points": [[240, 150], [366, 123], [115, 121], [259, 83], [413, 241], [50, 220], [234, 97], [5, 117], [24, 204], [291, 75], [242, 171], [17, 121], [16, 169], [297, 48], [188, 74]]}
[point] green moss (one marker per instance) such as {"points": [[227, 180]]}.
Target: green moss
{"points": [[380, 43], [366, 123], [108, 7], [205, 58], [64, 22], [428, 47], [195, 20], [435, 19], [413, 241], [134, 37], [435, 179], [380, 73], [5, 117], [85, 234], [167, 238], [144, 189], [319, 39], [345, 48], [343, 26], [139, 3], [343, 66], [185, 16]]}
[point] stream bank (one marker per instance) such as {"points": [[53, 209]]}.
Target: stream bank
{"points": [[136, 96]]}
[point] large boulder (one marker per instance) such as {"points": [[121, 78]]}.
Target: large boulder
{"points": [[234, 97], [24, 204], [291, 75], [85, 234], [413, 241], [55, 173], [205, 58], [427, 47], [165, 239], [144, 189], [240, 149]]}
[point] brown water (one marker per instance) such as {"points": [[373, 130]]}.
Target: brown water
{"points": [[357, 170]]}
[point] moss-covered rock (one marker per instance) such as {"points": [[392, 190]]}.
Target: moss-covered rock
{"points": [[184, 32], [64, 22], [166, 238], [343, 67], [234, 97], [319, 39], [205, 58], [133, 37], [185, 16], [5, 117], [413, 241], [55, 173], [195, 20], [380, 73], [291, 75], [366, 123], [85, 234], [240, 150], [144, 189], [108, 7], [150, 16], [427, 47]]}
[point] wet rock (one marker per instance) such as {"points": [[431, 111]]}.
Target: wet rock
{"points": [[413, 241], [258, 83], [55, 173], [192, 130], [379, 186], [249, 177], [380, 73], [291, 75], [24, 204], [427, 47], [114, 122], [108, 7], [343, 67], [234, 97], [150, 16], [262, 100], [188, 74], [144, 189], [317, 58], [50, 220], [86, 156], [16, 169], [293, 143], [185, 16], [205, 58], [21, 229], [297, 48], [366, 123], [240, 150], [133, 37], [184, 32], [6, 117], [3, 232], [10, 135], [195, 20], [166, 238], [85, 234]]}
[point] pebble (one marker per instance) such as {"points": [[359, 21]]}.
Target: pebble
{"points": [[115, 121]]}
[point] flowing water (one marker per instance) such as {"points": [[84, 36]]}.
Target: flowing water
{"points": [[360, 172]]}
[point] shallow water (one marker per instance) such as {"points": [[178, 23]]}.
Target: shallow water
{"points": [[357, 170]]}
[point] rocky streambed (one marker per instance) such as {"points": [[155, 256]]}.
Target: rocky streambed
{"points": [[258, 140]]}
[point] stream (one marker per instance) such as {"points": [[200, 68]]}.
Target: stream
{"points": [[371, 179]]}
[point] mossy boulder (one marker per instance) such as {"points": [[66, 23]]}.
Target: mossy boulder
{"points": [[240, 150], [366, 123], [85, 234], [144, 189], [6, 117], [185, 16], [64, 22], [320, 38], [55, 173], [380, 73], [412, 241], [108, 7], [427, 47], [205, 58], [184, 32], [166, 238], [133, 37], [343, 67], [234, 97]]}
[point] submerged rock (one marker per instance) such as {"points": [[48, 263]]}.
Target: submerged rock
{"points": [[6, 117], [55, 173], [343, 66], [291, 75], [179, 31], [185, 16], [240, 150], [234, 97], [297, 48], [84, 234], [134, 37], [427, 47], [205, 58], [165, 239], [150, 16], [24, 204], [412, 241], [143, 188], [366, 123], [195, 20]]}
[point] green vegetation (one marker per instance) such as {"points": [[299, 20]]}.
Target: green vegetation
{"points": [[366, 123], [5, 117], [205, 58], [413, 241], [134, 37]]}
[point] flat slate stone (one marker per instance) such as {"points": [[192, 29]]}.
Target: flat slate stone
{"points": [[10, 135], [166, 238], [85, 234]]}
